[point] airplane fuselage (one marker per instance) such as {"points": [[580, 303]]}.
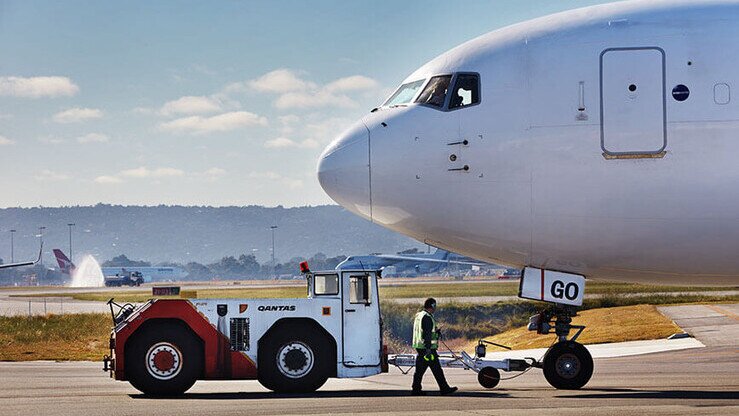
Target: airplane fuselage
{"points": [[604, 143]]}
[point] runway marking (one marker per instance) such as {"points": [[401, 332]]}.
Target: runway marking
{"points": [[724, 312]]}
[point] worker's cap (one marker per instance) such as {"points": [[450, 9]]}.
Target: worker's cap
{"points": [[430, 303]]}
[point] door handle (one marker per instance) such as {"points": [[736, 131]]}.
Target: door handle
{"points": [[350, 310]]}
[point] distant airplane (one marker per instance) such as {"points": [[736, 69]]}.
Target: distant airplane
{"points": [[149, 273], [417, 263], [25, 263]]}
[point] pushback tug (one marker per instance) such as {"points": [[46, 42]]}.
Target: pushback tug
{"points": [[294, 345]]}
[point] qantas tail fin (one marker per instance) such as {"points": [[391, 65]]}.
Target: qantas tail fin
{"points": [[65, 264]]}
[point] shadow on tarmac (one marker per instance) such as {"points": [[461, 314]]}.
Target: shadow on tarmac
{"points": [[667, 394], [317, 395]]}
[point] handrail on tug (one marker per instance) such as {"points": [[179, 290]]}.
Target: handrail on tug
{"points": [[124, 311]]}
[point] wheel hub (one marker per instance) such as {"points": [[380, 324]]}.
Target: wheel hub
{"points": [[567, 366], [163, 361], [295, 359]]}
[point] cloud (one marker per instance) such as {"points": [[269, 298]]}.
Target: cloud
{"points": [[140, 173], [4, 141], [322, 98], [273, 176], [220, 123], [283, 143], [52, 139], [93, 138], [325, 130], [211, 174], [144, 172], [76, 115], [46, 175], [352, 83], [298, 93], [105, 179], [289, 119], [191, 105], [37, 87], [280, 81]]}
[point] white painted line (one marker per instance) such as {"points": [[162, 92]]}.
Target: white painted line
{"points": [[612, 350]]}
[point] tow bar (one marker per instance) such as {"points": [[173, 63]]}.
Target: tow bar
{"points": [[488, 371]]}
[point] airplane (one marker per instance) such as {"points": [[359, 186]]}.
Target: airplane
{"points": [[165, 272], [415, 264], [610, 131], [24, 263]]}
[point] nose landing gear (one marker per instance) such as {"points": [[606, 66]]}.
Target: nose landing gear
{"points": [[567, 364]]}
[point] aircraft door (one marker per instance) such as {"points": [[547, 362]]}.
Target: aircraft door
{"points": [[632, 92], [361, 320]]}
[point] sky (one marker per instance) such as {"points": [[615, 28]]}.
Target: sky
{"points": [[206, 103]]}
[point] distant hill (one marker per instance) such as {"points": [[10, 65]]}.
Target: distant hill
{"points": [[202, 234]]}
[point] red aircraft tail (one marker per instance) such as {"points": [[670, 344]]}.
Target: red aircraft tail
{"points": [[65, 264]]}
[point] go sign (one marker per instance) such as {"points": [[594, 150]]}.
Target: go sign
{"points": [[551, 286]]}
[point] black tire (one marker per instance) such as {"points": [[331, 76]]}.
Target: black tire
{"points": [[304, 355], [568, 365], [166, 340], [488, 377]]}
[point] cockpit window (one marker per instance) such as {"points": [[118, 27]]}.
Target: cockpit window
{"points": [[435, 92], [466, 91], [405, 93]]}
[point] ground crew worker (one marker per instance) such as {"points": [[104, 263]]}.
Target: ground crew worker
{"points": [[426, 341]]}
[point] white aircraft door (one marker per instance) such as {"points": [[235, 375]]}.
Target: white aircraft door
{"points": [[632, 107], [361, 316]]}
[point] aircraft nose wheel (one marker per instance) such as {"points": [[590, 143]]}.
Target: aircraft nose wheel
{"points": [[568, 365]]}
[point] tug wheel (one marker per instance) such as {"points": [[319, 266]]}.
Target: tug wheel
{"points": [[163, 360], [568, 365], [488, 377], [294, 359]]}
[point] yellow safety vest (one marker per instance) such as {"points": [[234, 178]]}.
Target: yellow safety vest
{"points": [[418, 331]]}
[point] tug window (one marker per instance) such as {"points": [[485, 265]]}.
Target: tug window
{"points": [[435, 92], [466, 91], [359, 289], [326, 284]]}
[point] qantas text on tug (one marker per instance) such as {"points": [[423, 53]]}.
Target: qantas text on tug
{"points": [[600, 142]]}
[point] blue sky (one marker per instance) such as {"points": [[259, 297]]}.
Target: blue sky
{"points": [[205, 103]]}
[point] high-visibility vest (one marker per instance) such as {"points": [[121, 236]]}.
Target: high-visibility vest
{"points": [[418, 331]]}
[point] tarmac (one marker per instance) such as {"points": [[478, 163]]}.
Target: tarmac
{"points": [[689, 380]]}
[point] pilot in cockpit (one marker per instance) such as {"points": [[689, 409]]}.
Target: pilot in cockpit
{"points": [[438, 93]]}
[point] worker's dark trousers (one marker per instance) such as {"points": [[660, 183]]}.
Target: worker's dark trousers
{"points": [[422, 365]]}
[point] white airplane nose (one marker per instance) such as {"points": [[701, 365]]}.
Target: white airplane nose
{"points": [[344, 171]]}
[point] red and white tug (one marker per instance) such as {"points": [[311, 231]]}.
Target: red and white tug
{"points": [[290, 345]]}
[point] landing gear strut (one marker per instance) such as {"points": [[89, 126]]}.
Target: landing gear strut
{"points": [[567, 364]]}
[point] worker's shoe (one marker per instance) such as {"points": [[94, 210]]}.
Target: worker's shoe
{"points": [[448, 390], [418, 393]]}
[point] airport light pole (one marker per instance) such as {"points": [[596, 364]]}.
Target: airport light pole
{"points": [[41, 236], [70, 225], [12, 248], [273, 228]]}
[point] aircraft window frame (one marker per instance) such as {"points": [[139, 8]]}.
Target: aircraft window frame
{"points": [[423, 82], [454, 84], [444, 105]]}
